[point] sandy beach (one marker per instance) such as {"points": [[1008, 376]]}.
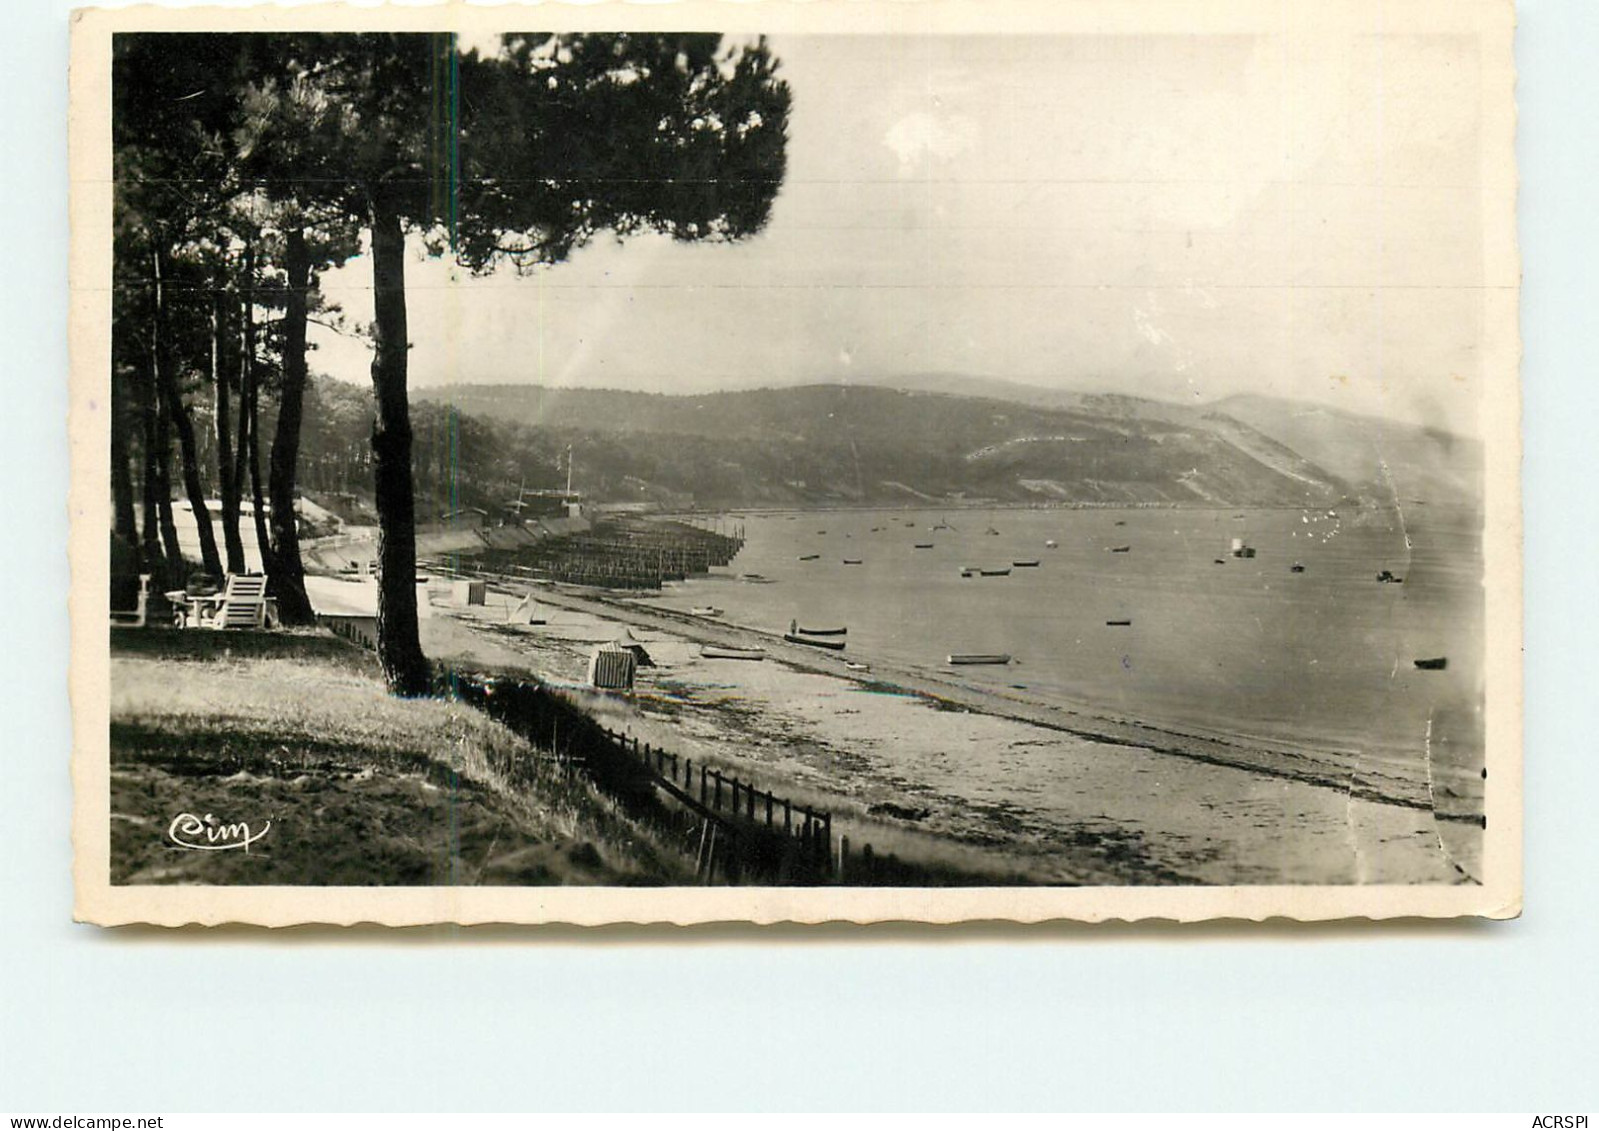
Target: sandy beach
{"points": [[920, 765]]}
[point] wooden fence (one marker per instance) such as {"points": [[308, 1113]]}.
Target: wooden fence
{"points": [[745, 831], [736, 831]]}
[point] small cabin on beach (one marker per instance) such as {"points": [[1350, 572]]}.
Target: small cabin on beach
{"points": [[612, 668]]}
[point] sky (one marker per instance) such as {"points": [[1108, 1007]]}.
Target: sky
{"points": [[1181, 217]]}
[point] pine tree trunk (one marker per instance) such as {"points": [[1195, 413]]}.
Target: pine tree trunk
{"points": [[228, 485], [124, 522], [210, 561], [177, 568], [154, 559], [257, 497], [399, 645], [289, 572], [245, 465]]}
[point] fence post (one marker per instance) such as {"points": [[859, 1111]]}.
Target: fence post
{"points": [[827, 840], [843, 859], [718, 803], [768, 808], [702, 785], [788, 817]]}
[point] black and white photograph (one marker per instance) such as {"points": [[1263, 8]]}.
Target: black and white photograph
{"points": [[659, 468]]}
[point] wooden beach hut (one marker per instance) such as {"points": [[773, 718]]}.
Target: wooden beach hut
{"points": [[612, 668]]}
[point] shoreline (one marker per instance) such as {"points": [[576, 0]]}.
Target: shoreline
{"points": [[904, 756], [1327, 768]]}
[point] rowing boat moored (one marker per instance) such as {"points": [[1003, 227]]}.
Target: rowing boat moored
{"points": [[712, 652], [830, 645], [979, 657]]}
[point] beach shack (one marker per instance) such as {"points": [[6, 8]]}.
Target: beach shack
{"points": [[612, 668]]}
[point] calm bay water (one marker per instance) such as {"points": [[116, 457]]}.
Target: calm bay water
{"points": [[1246, 649]]}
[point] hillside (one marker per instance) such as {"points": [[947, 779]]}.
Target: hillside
{"points": [[829, 445], [1387, 459], [825, 444]]}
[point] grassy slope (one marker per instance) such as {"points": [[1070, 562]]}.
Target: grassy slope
{"points": [[361, 789]]}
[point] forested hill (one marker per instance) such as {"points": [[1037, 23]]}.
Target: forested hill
{"points": [[827, 445]]}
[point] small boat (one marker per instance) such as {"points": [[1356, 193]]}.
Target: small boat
{"points": [[705, 611], [1219, 561], [1026, 565], [1435, 664], [1121, 549], [795, 629], [979, 657], [755, 578], [713, 652], [821, 532], [1118, 623], [830, 645], [1051, 544], [852, 561], [990, 530], [1387, 578], [1121, 522], [942, 525], [854, 666], [924, 546], [809, 557], [1296, 568], [968, 571], [994, 572]]}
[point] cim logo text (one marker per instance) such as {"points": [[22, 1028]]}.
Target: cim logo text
{"points": [[208, 834]]}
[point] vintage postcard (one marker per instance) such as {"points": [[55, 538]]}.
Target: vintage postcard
{"points": [[788, 463]]}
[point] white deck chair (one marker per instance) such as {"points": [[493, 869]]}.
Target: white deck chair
{"points": [[244, 603]]}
